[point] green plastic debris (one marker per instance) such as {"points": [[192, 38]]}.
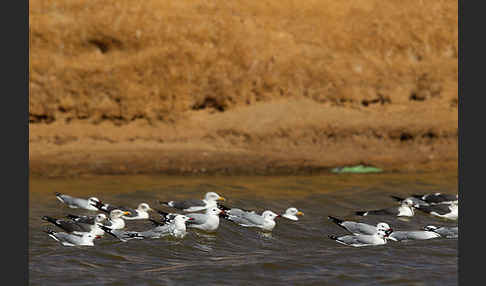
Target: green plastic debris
{"points": [[358, 169]]}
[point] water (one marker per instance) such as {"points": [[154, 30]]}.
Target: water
{"points": [[295, 253]]}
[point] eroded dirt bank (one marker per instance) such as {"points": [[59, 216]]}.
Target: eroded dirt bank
{"points": [[254, 87]]}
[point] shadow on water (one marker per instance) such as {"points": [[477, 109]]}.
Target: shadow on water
{"points": [[293, 253]]}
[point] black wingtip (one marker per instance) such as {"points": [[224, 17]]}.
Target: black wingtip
{"points": [[49, 219], [398, 199], [361, 213], [57, 194], [418, 196], [156, 223], [333, 237], [222, 207], [48, 231], [106, 229], [73, 217], [335, 220]]}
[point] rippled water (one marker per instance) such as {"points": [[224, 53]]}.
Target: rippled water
{"points": [[295, 253]]}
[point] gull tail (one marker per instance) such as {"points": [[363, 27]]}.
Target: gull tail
{"points": [[333, 237], [50, 219]]}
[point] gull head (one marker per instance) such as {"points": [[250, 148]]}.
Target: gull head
{"points": [[409, 203], [100, 218], [212, 196], [118, 213], [182, 219], [292, 213], [269, 215], [214, 211], [144, 207], [93, 201], [383, 228]]}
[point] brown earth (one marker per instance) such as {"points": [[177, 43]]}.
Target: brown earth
{"points": [[242, 87]]}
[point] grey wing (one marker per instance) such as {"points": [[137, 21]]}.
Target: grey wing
{"points": [[197, 218], [350, 239], [124, 235], [238, 216], [412, 235], [67, 199], [253, 218], [155, 232], [448, 232], [440, 198], [85, 219], [71, 226], [359, 228], [440, 209], [188, 203], [388, 211]]}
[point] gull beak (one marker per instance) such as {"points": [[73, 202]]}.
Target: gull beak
{"points": [[150, 209], [388, 232], [221, 199], [299, 213], [191, 219], [127, 213]]}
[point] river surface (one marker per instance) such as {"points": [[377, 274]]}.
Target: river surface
{"points": [[294, 253]]}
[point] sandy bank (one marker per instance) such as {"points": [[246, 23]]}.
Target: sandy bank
{"points": [[254, 87]]}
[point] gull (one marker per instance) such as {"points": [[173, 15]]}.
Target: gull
{"points": [[194, 205], [72, 239], [444, 231], [115, 221], [265, 221], [378, 238], [292, 213], [176, 228], [74, 203], [141, 212], [78, 227], [367, 229], [437, 198], [208, 221], [358, 227], [404, 209], [448, 211]]}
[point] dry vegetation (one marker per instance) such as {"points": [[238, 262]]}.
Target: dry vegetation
{"points": [[315, 82]]}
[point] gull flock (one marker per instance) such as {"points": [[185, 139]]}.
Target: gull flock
{"points": [[204, 215]]}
